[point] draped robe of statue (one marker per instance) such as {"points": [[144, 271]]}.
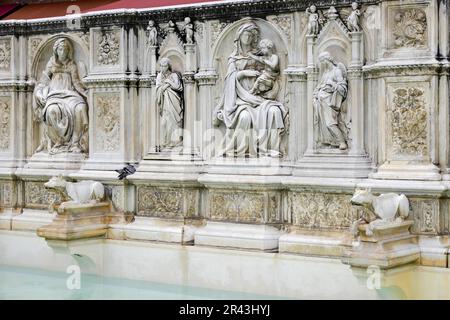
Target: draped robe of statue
{"points": [[253, 123], [170, 105], [329, 96], [60, 104]]}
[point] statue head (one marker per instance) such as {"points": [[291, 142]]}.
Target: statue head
{"points": [[165, 64], [355, 5], [326, 59], [187, 20], [266, 46], [62, 50], [313, 9], [247, 36], [151, 23]]}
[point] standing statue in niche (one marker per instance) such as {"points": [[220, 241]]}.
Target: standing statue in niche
{"points": [[353, 19], [169, 101], [60, 103], [255, 122], [152, 34], [328, 99]]}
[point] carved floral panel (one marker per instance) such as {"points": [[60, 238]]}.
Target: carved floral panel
{"points": [[5, 54], [108, 48], [321, 210], [249, 207], [408, 121], [425, 214], [37, 197], [5, 125], [167, 202], [107, 121], [409, 29], [6, 194]]}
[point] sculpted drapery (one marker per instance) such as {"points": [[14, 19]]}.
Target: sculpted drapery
{"points": [[254, 122], [169, 101], [60, 103], [328, 99]]}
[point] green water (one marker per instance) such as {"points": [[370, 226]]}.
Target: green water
{"points": [[25, 283]]}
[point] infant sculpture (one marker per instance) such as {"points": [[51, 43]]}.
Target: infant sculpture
{"points": [[83, 192], [384, 209]]}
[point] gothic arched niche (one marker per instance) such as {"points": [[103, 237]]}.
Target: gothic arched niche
{"points": [[44, 137], [45, 51], [224, 47], [249, 58]]}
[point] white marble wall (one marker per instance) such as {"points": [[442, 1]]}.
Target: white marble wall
{"points": [[396, 112]]}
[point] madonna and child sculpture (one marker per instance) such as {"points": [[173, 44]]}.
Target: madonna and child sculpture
{"points": [[255, 121], [60, 103]]}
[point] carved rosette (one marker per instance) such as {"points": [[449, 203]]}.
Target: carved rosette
{"points": [[410, 28], [321, 210], [5, 125], [5, 54], [107, 119], [408, 120], [108, 51]]}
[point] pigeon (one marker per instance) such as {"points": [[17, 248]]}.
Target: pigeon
{"points": [[125, 172]]}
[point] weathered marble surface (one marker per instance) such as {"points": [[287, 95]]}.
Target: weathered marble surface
{"points": [[306, 102]]}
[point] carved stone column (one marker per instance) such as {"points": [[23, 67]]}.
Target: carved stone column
{"points": [[356, 83], [191, 130], [206, 79]]}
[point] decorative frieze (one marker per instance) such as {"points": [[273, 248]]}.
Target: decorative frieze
{"points": [[107, 120], [245, 207], [38, 197], [166, 202], [321, 210]]}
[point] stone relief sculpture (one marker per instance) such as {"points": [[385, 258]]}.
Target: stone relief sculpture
{"points": [[385, 209], [152, 34], [189, 29], [108, 49], [271, 62], [82, 192], [328, 98], [410, 28], [60, 103], [254, 120], [170, 104], [353, 19], [313, 21]]}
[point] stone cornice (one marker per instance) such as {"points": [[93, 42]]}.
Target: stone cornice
{"points": [[386, 70], [230, 10]]}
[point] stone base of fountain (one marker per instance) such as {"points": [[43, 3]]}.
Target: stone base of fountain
{"points": [[388, 246], [77, 221]]}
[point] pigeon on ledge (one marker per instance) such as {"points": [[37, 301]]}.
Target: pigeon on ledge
{"points": [[125, 172]]}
